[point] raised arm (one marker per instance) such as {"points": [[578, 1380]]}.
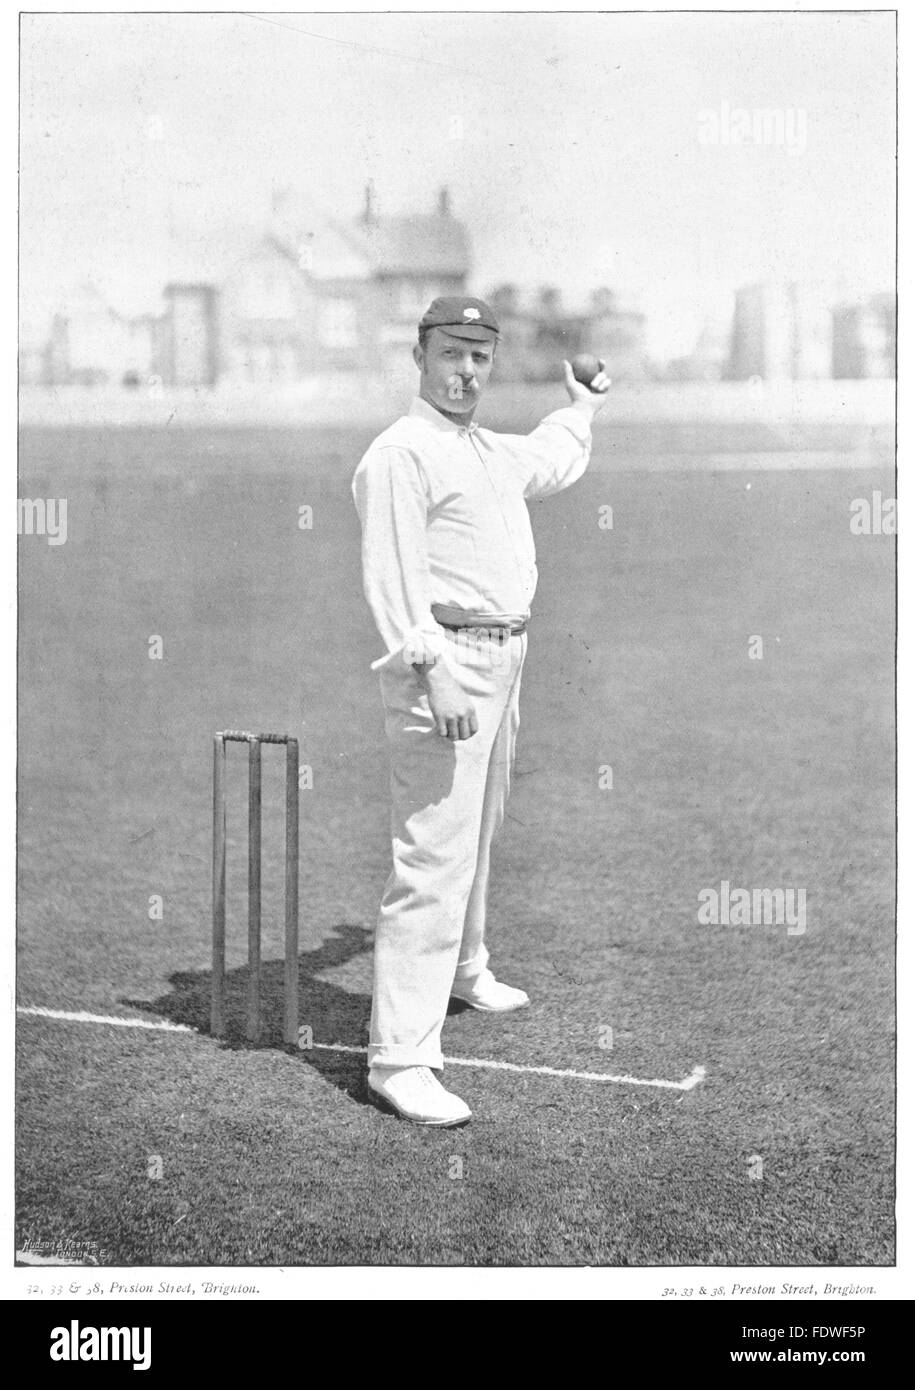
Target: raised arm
{"points": [[557, 452]]}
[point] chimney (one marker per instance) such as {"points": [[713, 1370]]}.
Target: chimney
{"points": [[368, 214], [444, 203]]}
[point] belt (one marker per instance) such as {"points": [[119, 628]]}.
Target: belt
{"points": [[457, 620]]}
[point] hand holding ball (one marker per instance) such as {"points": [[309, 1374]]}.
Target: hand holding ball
{"points": [[587, 383], [585, 367]]}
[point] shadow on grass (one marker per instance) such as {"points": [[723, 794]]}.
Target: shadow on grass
{"points": [[335, 1016]]}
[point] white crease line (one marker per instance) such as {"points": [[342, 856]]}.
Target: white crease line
{"points": [[687, 1084], [157, 1025]]}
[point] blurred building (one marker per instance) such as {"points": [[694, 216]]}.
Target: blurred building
{"points": [[780, 332], [708, 358], [411, 261], [557, 333], [308, 294], [518, 326], [188, 345], [864, 338], [317, 295], [615, 332], [34, 357], [536, 336], [294, 304], [91, 344]]}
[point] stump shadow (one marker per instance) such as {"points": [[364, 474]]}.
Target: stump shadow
{"points": [[336, 1016]]}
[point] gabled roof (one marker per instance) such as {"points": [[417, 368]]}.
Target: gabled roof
{"points": [[322, 246]]}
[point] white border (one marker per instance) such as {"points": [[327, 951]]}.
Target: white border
{"points": [[428, 1282]]}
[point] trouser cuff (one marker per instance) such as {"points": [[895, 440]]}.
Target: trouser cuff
{"points": [[402, 1055]]}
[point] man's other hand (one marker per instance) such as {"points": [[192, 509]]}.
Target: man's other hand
{"points": [[451, 708]]}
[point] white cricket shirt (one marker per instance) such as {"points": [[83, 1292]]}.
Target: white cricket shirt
{"points": [[445, 524]]}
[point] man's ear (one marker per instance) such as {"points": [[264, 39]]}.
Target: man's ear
{"points": [[418, 355]]}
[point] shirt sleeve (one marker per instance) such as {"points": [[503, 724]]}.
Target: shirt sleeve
{"points": [[389, 491], [555, 454]]}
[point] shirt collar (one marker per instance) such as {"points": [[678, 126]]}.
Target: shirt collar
{"points": [[424, 411]]}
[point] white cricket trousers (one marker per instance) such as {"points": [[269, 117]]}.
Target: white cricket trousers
{"points": [[448, 800]]}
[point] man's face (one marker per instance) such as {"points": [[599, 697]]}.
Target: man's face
{"points": [[453, 371]]}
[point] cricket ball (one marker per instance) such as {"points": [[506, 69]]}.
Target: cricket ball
{"points": [[585, 368]]}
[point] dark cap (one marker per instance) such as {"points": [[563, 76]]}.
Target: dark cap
{"points": [[462, 317]]}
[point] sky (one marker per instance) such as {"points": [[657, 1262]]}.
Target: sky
{"points": [[578, 148]]}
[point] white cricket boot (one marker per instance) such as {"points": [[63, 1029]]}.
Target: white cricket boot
{"points": [[416, 1094], [484, 992]]}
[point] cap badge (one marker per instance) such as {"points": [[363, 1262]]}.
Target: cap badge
{"points": [[471, 313]]}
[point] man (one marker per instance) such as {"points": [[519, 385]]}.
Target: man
{"points": [[449, 573]]}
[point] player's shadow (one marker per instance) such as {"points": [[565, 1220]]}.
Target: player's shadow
{"points": [[335, 1016]]}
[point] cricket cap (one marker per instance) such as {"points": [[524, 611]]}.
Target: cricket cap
{"points": [[462, 317]]}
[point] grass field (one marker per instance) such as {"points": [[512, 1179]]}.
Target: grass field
{"points": [[768, 773]]}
